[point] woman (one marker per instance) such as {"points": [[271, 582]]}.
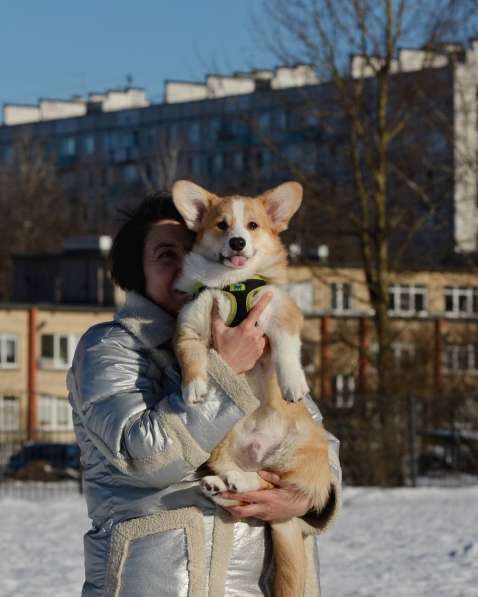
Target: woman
{"points": [[153, 532]]}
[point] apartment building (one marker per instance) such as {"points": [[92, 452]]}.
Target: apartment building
{"points": [[253, 129], [247, 132]]}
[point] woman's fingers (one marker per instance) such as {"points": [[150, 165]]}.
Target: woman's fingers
{"points": [[257, 310], [271, 478]]}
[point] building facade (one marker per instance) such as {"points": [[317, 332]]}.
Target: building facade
{"points": [[252, 130], [434, 344]]}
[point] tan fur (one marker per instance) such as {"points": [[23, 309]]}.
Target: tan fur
{"points": [[294, 446]]}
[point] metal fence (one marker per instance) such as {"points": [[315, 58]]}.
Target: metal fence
{"points": [[425, 441]]}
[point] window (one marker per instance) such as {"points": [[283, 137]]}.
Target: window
{"points": [[303, 295], [238, 160], [407, 299], [89, 144], [264, 121], [311, 118], [196, 166], [461, 358], [294, 153], [281, 120], [341, 297], [55, 414], [56, 350], [9, 413], [343, 390], [121, 146], [8, 351], [68, 147], [461, 300], [214, 128], [130, 173], [195, 133], [8, 153], [215, 163], [263, 159]]}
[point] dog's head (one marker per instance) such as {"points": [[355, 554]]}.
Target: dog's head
{"points": [[235, 230]]}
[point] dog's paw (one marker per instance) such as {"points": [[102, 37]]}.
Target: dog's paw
{"points": [[196, 391], [295, 392], [212, 485], [241, 481]]}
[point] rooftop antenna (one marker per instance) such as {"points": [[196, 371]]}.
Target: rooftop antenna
{"points": [[129, 80]]}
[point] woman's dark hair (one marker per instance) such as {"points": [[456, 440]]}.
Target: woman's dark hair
{"points": [[126, 256]]}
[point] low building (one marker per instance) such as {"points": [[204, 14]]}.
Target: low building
{"points": [[37, 344], [434, 343]]}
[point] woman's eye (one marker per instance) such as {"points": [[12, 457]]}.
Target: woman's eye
{"points": [[252, 226], [168, 255], [222, 225]]}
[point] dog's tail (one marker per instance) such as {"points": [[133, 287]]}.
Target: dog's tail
{"points": [[290, 559]]}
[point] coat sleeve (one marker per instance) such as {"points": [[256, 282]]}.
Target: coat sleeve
{"points": [[141, 425], [317, 521]]}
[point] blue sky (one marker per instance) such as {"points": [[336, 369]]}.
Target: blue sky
{"points": [[57, 48]]}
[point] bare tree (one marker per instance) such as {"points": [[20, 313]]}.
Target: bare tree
{"points": [[162, 167], [35, 214], [389, 120]]}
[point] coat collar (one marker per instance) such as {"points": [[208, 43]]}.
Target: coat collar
{"points": [[152, 325]]}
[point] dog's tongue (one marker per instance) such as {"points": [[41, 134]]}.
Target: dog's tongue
{"points": [[238, 260]]}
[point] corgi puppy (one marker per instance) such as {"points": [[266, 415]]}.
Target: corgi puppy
{"points": [[237, 239]]}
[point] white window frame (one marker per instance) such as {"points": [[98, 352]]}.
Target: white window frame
{"points": [[9, 413], [397, 290], [338, 291], [469, 293], [303, 295], [4, 338], [452, 356], [343, 390], [56, 362], [54, 414]]}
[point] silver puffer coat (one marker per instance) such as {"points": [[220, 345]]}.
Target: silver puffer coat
{"points": [[153, 532]]}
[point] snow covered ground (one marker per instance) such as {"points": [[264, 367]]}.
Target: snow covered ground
{"points": [[386, 543]]}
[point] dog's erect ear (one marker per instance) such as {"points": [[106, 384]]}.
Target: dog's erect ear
{"points": [[192, 202], [281, 203]]}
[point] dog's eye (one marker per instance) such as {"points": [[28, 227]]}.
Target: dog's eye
{"points": [[252, 226], [222, 225]]}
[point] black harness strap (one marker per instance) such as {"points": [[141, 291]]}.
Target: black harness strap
{"points": [[240, 296]]}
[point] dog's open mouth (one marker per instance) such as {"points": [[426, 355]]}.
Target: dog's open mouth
{"points": [[234, 260]]}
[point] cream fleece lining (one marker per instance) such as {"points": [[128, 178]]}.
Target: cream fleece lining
{"points": [[189, 519], [235, 386], [221, 548]]}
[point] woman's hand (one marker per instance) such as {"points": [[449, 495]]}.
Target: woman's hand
{"points": [[240, 347], [271, 505]]}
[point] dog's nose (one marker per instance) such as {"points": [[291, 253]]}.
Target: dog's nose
{"points": [[237, 243]]}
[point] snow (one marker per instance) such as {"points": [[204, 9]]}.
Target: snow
{"points": [[386, 543]]}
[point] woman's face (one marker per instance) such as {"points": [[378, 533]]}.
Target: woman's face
{"points": [[165, 245]]}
